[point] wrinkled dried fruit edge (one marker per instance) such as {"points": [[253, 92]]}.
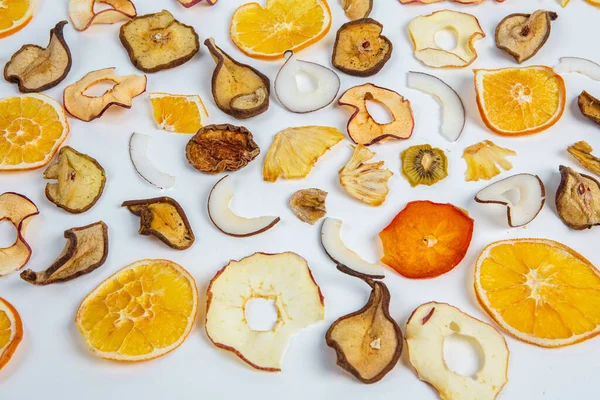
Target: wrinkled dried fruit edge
{"points": [[29, 275], [581, 105], [10, 350], [111, 9], [19, 228], [550, 14], [561, 187]]}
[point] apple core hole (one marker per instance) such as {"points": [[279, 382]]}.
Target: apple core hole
{"points": [[261, 314], [513, 196], [305, 82], [8, 234], [446, 39], [98, 89], [379, 112], [463, 355]]}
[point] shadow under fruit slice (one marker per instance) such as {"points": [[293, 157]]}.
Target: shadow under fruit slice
{"points": [[156, 42], [589, 106], [578, 199], [163, 218], [426, 239], [18, 210], [83, 15], [11, 331], [238, 89], [424, 165], [360, 49], [367, 182], [35, 69], [85, 251]]}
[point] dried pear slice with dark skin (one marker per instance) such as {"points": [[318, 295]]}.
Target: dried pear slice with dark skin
{"points": [[578, 199], [238, 89], [357, 9], [35, 69], [589, 106], [368, 343], [309, 205], [163, 218], [523, 35], [85, 251], [360, 49], [156, 42]]}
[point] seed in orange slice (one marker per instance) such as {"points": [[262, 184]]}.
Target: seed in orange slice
{"points": [[540, 291], [426, 239], [282, 25], [520, 101], [144, 311], [14, 15], [32, 128], [178, 113], [11, 331]]}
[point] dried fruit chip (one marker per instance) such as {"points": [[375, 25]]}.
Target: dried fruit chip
{"points": [[438, 1], [85, 251], [82, 12], [360, 49], [357, 9], [426, 239], [309, 205], [35, 69], [238, 89], [163, 218], [11, 331], [80, 181], [177, 112], [138, 145], [87, 108], [424, 165], [482, 159], [368, 182], [218, 148], [583, 153], [589, 106], [362, 127], [15, 15], [578, 199], [294, 151], [18, 210], [190, 3]]}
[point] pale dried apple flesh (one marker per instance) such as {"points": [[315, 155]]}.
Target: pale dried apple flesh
{"points": [[589, 106], [357, 9], [578, 199], [309, 205], [523, 35], [583, 154]]}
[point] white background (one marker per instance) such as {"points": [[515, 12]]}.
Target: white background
{"points": [[52, 362]]}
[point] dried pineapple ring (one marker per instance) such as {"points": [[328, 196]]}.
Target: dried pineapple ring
{"points": [[18, 210]]}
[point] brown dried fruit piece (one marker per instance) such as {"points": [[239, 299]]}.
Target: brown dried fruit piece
{"points": [[156, 42], [80, 181], [18, 210], [218, 148], [523, 35], [589, 106], [583, 153], [360, 49], [357, 9], [578, 199], [309, 205], [164, 218], [85, 251], [35, 69], [238, 89]]}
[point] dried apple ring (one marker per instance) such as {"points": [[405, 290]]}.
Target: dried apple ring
{"points": [[18, 210], [82, 12], [423, 29]]}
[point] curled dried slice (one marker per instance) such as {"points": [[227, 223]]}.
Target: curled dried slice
{"points": [[294, 151], [583, 154], [482, 160], [85, 251], [191, 3], [368, 182], [357, 9], [218, 148], [82, 12], [424, 165], [580, 65], [578, 199], [164, 218], [18, 210], [309, 205], [362, 127], [439, 1], [589, 106], [138, 144], [87, 108], [156, 42], [35, 69]]}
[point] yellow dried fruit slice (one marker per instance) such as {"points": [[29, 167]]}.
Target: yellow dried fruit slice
{"points": [[483, 160], [368, 182], [11, 331], [177, 112]]}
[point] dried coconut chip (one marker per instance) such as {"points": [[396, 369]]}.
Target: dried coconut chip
{"points": [[579, 65], [82, 12], [18, 210], [138, 145]]}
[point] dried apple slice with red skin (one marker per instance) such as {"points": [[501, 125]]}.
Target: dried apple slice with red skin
{"points": [[191, 3], [18, 210], [83, 16]]}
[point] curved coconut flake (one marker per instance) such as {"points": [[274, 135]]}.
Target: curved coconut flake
{"points": [[18, 210], [138, 144], [580, 65], [83, 16]]}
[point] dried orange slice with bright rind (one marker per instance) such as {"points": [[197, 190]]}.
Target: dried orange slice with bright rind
{"points": [[14, 15], [142, 312], [540, 291], [282, 25], [520, 101], [178, 113], [11, 331], [32, 128]]}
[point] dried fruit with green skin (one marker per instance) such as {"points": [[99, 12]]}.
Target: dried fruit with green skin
{"points": [[85, 251], [81, 181], [482, 160], [368, 182], [578, 199], [589, 106], [523, 35], [424, 165], [35, 69], [309, 205], [357, 9], [164, 218], [583, 153]]}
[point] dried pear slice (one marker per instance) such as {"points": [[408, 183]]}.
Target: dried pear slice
{"points": [[424, 165], [85, 251], [81, 181], [309, 205], [589, 106], [578, 199], [583, 153], [238, 89], [360, 49], [35, 69], [163, 218], [156, 42], [482, 160], [82, 12], [357, 9]]}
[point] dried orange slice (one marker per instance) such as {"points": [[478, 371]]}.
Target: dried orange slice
{"points": [[142, 312], [11, 331], [32, 128], [178, 113], [540, 291], [14, 16], [520, 101], [426, 239], [268, 32]]}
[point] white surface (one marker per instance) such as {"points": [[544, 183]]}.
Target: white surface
{"points": [[53, 363]]}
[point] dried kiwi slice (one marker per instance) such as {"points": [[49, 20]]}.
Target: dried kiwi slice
{"points": [[424, 165]]}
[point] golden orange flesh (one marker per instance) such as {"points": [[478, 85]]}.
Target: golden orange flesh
{"points": [[14, 16], [11, 331], [178, 113]]}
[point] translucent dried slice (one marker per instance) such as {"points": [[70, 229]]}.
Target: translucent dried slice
{"points": [[368, 182], [578, 199], [18, 210], [82, 12], [424, 165], [579, 65], [483, 159], [85, 251], [178, 112], [589, 106], [357, 9], [309, 205], [583, 154]]}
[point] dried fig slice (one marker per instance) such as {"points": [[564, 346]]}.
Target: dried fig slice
{"points": [[357, 9], [578, 199], [523, 35], [583, 153], [589, 106], [309, 205], [80, 179], [164, 218], [218, 148], [18, 210], [360, 49], [35, 69], [85, 251], [156, 42], [238, 89], [82, 12]]}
